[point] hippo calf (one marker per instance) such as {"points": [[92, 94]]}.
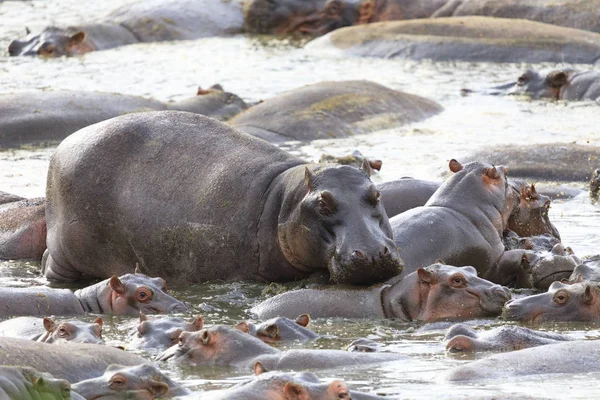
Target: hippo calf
{"points": [[48, 330], [280, 329], [428, 294], [163, 332], [25, 383]]}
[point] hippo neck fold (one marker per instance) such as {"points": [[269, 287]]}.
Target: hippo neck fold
{"points": [[96, 298], [404, 299]]}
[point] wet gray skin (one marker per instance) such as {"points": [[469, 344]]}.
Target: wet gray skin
{"points": [[163, 332], [564, 84], [588, 269], [563, 302], [22, 228], [280, 329], [226, 346], [25, 383], [49, 330], [463, 338], [556, 265], [538, 243], [142, 382]]}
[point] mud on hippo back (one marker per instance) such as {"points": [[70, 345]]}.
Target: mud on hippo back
{"points": [[278, 218]]}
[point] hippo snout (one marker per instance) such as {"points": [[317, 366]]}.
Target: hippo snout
{"points": [[363, 267], [513, 310], [178, 307], [494, 299]]}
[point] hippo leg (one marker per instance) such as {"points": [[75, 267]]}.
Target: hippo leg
{"points": [[56, 272]]}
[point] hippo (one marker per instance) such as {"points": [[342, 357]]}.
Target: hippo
{"points": [[588, 269], [405, 194], [24, 383], [530, 216], [144, 381], [23, 229], [280, 329], [595, 184], [328, 110], [227, 346], [471, 38], [9, 198], [537, 243], [125, 295], [143, 21], [356, 159], [567, 162], [50, 116], [49, 330], [556, 265], [436, 292], [160, 333], [462, 338], [573, 357], [73, 361], [461, 224], [569, 301], [146, 164]]}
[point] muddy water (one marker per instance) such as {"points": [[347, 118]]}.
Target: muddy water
{"points": [[259, 68]]}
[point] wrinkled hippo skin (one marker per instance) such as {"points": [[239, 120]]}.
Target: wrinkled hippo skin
{"points": [[50, 116], [163, 332], [472, 38], [588, 269], [48, 330], [126, 295], [569, 301], [284, 205], [143, 381], [73, 361], [280, 329], [462, 338], [328, 110], [574, 357], [23, 229], [226, 346], [356, 159], [24, 383], [142, 21], [437, 292], [567, 162]]}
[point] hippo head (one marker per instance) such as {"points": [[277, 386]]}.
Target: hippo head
{"points": [[164, 332], [280, 329], [568, 301], [52, 42], [72, 331], [530, 216], [339, 223], [44, 384], [143, 381], [588, 269], [537, 86], [595, 183], [556, 265], [314, 17], [442, 291]]}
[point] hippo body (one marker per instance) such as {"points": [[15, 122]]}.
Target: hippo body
{"points": [[332, 110], [242, 214], [405, 194], [471, 38], [23, 229], [49, 331], [24, 383]]}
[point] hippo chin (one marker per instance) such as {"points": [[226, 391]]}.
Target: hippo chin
{"points": [[258, 213]]}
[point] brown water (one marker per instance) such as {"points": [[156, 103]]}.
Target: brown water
{"points": [[259, 68]]}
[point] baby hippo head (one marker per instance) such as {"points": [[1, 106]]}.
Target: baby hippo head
{"points": [[164, 332], [537, 86], [72, 331], [340, 224], [280, 329], [52, 42]]}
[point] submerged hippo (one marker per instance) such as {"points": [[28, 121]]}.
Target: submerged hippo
{"points": [[142, 21], [23, 229], [471, 38], [356, 159], [24, 383], [571, 301], [328, 110], [429, 294], [576, 357], [126, 295], [48, 330], [46, 116], [226, 346], [163, 332], [9, 197], [462, 338], [257, 213], [144, 381], [588, 269], [280, 329]]}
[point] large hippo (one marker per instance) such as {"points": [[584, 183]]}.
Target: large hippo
{"points": [[126, 295], [47, 116], [429, 294], [569, 162], [257, 213], [24, 383], [328, 110], [23, 229], [142, 21], [463, 39], [49, 330]]}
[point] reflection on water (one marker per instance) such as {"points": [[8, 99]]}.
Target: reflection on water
{"points": [[259, 68]]}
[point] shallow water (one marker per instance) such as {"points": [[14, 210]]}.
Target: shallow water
{"points": [[259, 68]]}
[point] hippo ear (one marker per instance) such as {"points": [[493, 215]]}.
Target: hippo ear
{"points": [[217, 86], [303, 320], [157, 388], [459, 344], [202, 92], [137, 270], [116, 285], [375, 164], [556, 79], [589, 294], [492, 173], [309, 179], [205, 337], [366, 167], [99, 321], [294, 391], [143, 317], [425, 275], [27, 31], [77, 38], [243, 326], [198, 322], [338, 390], [259, 368], [49, 324], [439, 261], [455, 166]]}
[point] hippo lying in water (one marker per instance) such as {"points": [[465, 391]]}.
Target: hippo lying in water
{"points": [[280, 329], [163, 332], [126, 295], [142, 21], [257, 213], [328, 110], [429, 294], [24, 383], [23, 229], [48, 330]]}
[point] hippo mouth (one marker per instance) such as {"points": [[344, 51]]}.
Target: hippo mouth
{"points": [[364, 271], [492, 302]]}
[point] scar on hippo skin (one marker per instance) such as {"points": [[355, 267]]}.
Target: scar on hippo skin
{"points": [[280, 329]]}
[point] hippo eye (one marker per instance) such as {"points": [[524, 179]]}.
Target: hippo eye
{"points": [[117, 382], [458, 281], [561, 297], [62, 332], [181, 341], [522, 80], [143, 295], [47, 49]]}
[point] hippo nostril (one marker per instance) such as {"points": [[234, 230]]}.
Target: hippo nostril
{"points": [[386, 251], [359, 254]]}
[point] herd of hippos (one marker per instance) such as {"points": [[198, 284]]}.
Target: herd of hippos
{"points": [[140, 187]]}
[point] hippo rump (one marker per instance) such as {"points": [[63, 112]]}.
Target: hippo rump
{"points": [[40, 117], [568, 162], [464, 39], [142, 21], [257, 213], [23, 229], [328, 110], [24, 383]]}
